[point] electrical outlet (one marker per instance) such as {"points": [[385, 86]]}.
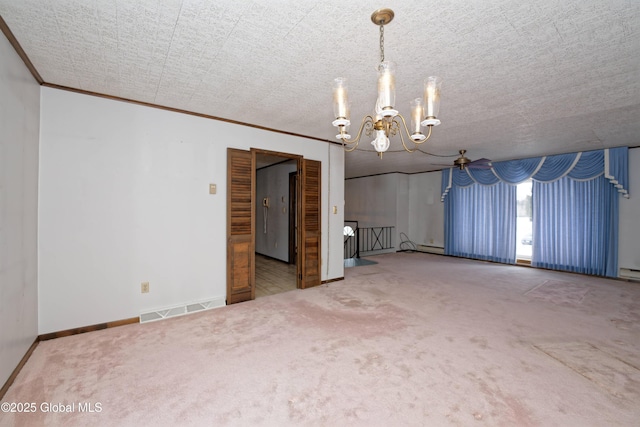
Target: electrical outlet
{"points": [[212, 189], [431, 241], [144, 287]]}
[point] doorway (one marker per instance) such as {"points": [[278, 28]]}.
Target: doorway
{"points": [[275, 238], [242, 205]]}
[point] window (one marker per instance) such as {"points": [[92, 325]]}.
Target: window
{"points": [[524, 224]]}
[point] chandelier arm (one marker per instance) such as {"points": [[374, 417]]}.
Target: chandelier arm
{"points": [[356, 140], [404, 145], [428, 135], [349, 148]]}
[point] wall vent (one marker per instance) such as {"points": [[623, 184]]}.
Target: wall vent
{"points": [[430, 249], [629, 274], [181, 310]]}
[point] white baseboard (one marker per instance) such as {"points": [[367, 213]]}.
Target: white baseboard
{"points": [[430, 249], [629, 274]]}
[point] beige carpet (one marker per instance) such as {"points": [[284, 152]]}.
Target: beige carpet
{"points": [[415, 339]]}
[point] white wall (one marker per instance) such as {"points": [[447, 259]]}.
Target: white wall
{"points": [[19, 133], [402, 210], [273, 182], [629, 241], [410, 203], [334, 243], [124, 198], [373, 202], [426, 219]]}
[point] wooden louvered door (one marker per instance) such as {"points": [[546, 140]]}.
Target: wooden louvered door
{"points": [[309, 266], [240, 226]]}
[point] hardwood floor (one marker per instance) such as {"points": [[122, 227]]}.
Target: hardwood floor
{"points": [[273, 276]]}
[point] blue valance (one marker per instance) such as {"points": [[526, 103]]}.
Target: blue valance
{"points": [[581, 166]]}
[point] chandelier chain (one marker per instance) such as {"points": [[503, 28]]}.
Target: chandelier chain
{"points": [[381, 43]]}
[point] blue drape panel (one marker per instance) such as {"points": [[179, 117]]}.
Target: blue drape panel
{"points": [[555, 167], [480, 222], [516, 171], [575, 222], [589, 165], [613, 162], [481, 176], [575, 226]]}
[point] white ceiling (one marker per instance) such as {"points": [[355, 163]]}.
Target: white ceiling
{"points": [[520, 78]]}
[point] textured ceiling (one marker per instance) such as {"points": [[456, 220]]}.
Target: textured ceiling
{"points": [[520, 78]]}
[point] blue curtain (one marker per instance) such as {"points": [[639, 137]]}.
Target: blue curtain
{"points": [[612, 162], [480, 222], [575, 226], [575, 218]]}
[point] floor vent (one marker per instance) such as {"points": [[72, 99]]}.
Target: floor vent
{"points": [[181, 310], [629, 273], [431, 249]]}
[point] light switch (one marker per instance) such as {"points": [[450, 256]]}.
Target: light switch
{"points": [[335, 210], [212, 189]]}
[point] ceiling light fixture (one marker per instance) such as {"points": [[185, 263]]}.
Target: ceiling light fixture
{"points": [[386, 120]]}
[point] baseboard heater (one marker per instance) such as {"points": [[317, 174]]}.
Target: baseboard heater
{"points": [[629, 273], [181, 310], [430, 249]]}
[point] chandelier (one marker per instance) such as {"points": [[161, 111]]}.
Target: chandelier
{"points": [[386, 121]]}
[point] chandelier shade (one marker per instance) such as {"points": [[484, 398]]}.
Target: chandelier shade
{"points": [[386, 89], [432, 100], [340, 105], [417, 113], [386, 120]]}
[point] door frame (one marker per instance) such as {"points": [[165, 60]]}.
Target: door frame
{"points": [[297, 235], [293, 215], [300, 270]]}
